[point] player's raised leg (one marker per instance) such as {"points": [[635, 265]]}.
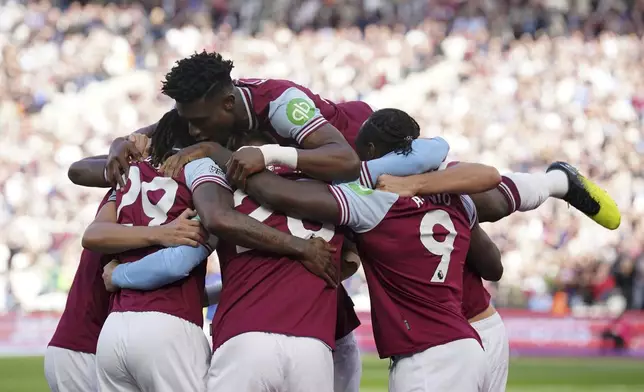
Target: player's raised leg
{"points": [[70, 371], [347, 365], [527, 191], [458, 366]]}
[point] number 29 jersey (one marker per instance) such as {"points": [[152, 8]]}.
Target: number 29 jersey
{"points": [[150, 199], [413, 251]]}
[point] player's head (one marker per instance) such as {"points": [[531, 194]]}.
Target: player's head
{"points": [[171, 131], [386, 130], [204, 93]]}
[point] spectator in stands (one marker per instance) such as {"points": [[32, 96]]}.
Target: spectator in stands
{"points": [[513, 84]]}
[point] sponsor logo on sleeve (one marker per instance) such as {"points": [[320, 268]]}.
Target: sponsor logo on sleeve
{"points": [[359, 189], [299, 111]]}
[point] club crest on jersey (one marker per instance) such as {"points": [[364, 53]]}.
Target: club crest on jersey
{"points": [[299, 111]]}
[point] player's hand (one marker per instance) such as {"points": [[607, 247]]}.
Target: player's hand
{"points": [[350, 260], [245, 162], [393, 184], [122, 152], [107, 276], [182, 231], [173, 165], [142, 143], [319, 261]]}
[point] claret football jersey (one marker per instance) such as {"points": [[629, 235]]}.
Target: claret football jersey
{"points": [[413, 251]]}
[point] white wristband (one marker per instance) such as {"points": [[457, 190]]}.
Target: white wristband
{"points": [[274, 154]]}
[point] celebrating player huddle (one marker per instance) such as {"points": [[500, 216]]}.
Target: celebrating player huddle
{"points": [[291, 213]]}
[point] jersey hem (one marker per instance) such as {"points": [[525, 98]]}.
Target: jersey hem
{"points": [[74, 348], [422, 347], [330, 343]]}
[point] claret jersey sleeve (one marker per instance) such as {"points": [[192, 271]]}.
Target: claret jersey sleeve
{"points": [[294, 115], [361, 208], [204, 170]]}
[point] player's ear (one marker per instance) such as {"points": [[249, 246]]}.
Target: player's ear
{"points": [[229, 102], [371, 151]]}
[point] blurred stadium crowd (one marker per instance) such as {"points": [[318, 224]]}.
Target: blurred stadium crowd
{"points": [[513, 84]]}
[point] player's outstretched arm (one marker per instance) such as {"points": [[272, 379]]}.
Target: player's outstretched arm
{"points": [[298, 199], [106, 236], [327, 156], [425, 155], [85, 172], [215, 206], [484, 256], [461, 178], [158, 269]]}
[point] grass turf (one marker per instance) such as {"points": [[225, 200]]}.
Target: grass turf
{"points": [[25, 374]]}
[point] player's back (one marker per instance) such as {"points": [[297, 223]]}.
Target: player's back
{"points": [[150, 199], [413, 259], [264, 292], [87, 305], [264, 96]]}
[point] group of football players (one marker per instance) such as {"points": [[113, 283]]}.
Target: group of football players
{"points": [[294, 193]]}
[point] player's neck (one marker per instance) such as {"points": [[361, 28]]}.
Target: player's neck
{"points": [[241, 114]]}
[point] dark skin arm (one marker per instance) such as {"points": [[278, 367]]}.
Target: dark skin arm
{"points": [[483, 256], [85, 172], [91, 171], [312, 200], [327, 156], [298, 199], [215, 206]]}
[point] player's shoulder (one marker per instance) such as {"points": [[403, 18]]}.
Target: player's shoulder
{"points": [[264, 87], [362, 208], [203, 166], [146, 168]]}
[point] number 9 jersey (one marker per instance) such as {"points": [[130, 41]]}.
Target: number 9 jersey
{"points": [[413, 250]]}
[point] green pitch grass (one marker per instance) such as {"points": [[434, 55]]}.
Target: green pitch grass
{"points": [[25, 374]]}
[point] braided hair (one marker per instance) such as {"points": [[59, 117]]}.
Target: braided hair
{"points": [[389, 130], [172, 130], [202, 74]]}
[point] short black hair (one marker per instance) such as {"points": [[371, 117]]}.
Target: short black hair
{"points": [[196, 76], [171, 131], [389, 130]]}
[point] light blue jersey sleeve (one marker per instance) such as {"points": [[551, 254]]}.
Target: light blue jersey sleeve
{"points": [[294, 115], [159, 268], [361, 208], [425, 155]]}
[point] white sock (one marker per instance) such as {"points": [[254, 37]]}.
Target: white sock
{"points": [[557, 183], [535, 188]]}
